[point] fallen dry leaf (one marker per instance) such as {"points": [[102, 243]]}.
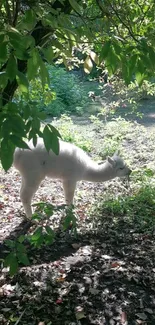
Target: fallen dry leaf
{"points": [[115, 264], [76, 246], [142, 316], [94, 291], [123, 318]]}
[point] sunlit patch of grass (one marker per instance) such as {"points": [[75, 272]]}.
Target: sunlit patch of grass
{"points": [[136, 211], [69, 133]]}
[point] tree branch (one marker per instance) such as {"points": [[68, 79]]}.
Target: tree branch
{"points": [[16, 11], [7, 7]]}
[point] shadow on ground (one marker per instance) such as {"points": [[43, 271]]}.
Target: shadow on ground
{"points": [[104, 276]]}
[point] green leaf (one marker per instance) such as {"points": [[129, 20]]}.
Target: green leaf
{"points": [[16, 40], [23, 258], [20, 248], [37, 234], [105, 50], [35, 123], [50, 140], [139, 77], [117, 48], [11, 68], [29, 41], [48, 239], [48, 209], [12, 108], [75, 6], [33, 64], [7, 150], [22, 82], [67, 222], [13, 124], [57, 44], [132, 63], [26, 111], [151, 55], [44, 74], [21, 238], [88, 65], [112, 61], [32, 135], [50, 231], [18, 142], [12, 262], [1, 37], [49, 54], [3, 52], [10, 243], [54, 130], [22, 54], [28, 126], [3, 79], [19, 44], [30, 19], [42, 115], [13, 266], [18, 125]]}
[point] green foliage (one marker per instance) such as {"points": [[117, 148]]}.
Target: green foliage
{"points": [[64, 94], [68, 91], [42, 235], [45, 235], [138, 209], [17, 256], [131, 94], [18, 125]]}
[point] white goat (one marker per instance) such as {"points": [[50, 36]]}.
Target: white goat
{"points": [[71, 165]]}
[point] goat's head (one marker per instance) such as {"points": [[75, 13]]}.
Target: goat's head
{"points": [[119, 166]]}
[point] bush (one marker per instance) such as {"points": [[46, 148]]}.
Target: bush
{"points": [[70, 94], [64, 94]]}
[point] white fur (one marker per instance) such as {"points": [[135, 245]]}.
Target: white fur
{"points": [[71, 165]]}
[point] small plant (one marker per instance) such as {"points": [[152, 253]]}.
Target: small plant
{"points": [[18, 254], [45, 235], [42, 235], [137, 211]]}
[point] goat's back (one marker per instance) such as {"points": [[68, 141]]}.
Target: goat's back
{"points": [[70, 163]]}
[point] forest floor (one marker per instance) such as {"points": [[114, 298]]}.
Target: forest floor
{"points": [[106, 274]]}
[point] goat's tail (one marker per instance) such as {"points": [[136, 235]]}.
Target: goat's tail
{"points": [[17, 157]]}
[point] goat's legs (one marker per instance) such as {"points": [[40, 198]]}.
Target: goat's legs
{"points": [[69, 189], [27, 191]]}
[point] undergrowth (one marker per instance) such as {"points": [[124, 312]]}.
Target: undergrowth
{"points": [[135, 212]]}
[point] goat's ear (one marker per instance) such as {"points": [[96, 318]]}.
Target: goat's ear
{"points": [[111, 161]]}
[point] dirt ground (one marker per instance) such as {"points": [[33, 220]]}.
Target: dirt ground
{"points": [[104, 276]]}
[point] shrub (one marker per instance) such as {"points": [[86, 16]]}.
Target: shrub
{"points": [[64, 94], [70, 94]]}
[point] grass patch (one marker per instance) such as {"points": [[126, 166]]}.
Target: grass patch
{"points": [[70, 133], [132, 213]]}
